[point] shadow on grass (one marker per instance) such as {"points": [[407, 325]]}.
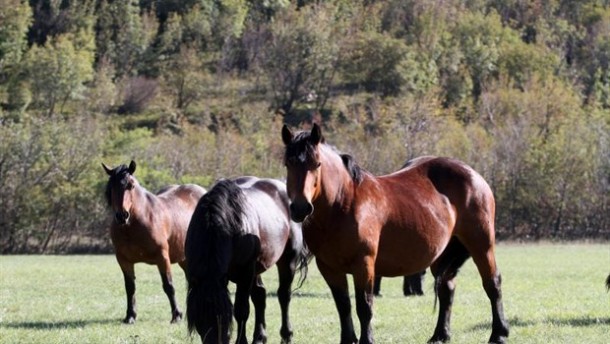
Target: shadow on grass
{"points": [[54, 325], [574, 322], [299, 294], [580, 322]]}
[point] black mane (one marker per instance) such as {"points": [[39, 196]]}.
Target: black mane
{"points": [[353, 168], [302, 151], [223, 206]]}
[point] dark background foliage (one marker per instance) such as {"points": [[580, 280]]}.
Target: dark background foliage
{"points": [[196, 90]]}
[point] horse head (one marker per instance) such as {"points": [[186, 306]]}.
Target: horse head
{"points": [[303, 163], [119, 190]]}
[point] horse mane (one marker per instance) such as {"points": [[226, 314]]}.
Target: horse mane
{"points": [[117, 175], [352, 167], [224, 205], [302, 150]]}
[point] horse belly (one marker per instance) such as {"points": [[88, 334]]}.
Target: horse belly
{"points": [[273, 229], [135, 248], [408, 250]]}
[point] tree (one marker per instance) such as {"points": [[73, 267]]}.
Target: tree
{"points": [[57, 72], [185, 77], [124, 36], [300, 59], [16, 17]]}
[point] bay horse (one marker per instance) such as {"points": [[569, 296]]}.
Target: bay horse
{"points": [[148, 228], [411, 285], [435, 212], [241, 228]]}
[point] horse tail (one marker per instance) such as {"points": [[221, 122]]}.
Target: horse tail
{"points": [[208, 250], [303, 259], [608, 283]]}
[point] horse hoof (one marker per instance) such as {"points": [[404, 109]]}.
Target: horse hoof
{"points": [[498, 340], [439, 339], [176, 318], [129, 320], [286, 334]]}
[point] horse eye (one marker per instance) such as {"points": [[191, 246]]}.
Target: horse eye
{"points": [[314, 165]]}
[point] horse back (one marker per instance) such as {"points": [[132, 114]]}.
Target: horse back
{"points": [[450, 177], [177, 203], [269, 206], [430, 200]]}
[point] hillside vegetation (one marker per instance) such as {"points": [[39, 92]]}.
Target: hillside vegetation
{"points": [[199, 89]]}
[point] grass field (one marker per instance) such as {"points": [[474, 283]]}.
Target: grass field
{"points": [[553, 293]]}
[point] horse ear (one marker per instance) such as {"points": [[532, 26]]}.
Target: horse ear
{"points": [[132, 167], [316, 134], [107, 169], [287, 135]]}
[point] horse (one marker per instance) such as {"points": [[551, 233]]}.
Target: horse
{"points": [[240, 229], [148, 228], [411, 285], [436, 212]]}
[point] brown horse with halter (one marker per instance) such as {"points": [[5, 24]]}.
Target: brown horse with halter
{"points": [[435, 212], [240, 229], [148, 228]]}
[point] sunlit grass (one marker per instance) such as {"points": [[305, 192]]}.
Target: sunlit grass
{"points": [[553, 293]]}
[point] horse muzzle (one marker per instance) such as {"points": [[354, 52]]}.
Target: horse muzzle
{"points": [[121, 217], [300, 211]]}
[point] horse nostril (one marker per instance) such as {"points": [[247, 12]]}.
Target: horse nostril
{"points": [[121, 216], [299, 211]]}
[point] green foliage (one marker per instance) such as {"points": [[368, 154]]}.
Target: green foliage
{"points": [[15, 16], [186, 78], [57, 72], [300, 59], [373, 60], [199, 89], [46, 165], [124, 35]]}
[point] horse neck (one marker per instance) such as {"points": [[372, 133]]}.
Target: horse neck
{"points": [[337, 186], [140, 203]]}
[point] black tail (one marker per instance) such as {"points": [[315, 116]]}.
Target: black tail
{"points": [[304, 257], [608, 283], [208, 249]]}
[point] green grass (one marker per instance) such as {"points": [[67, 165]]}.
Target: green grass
{"points": [[553, 293]]}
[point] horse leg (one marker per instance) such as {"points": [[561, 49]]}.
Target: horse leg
{"points": [[286, 267], [492, 283], [337, 283], [165, 271], [445, 269], [130, 288], [377, 286], [241, 309], [412, 284], [182, 265], [363, 283], [259, 299]]}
